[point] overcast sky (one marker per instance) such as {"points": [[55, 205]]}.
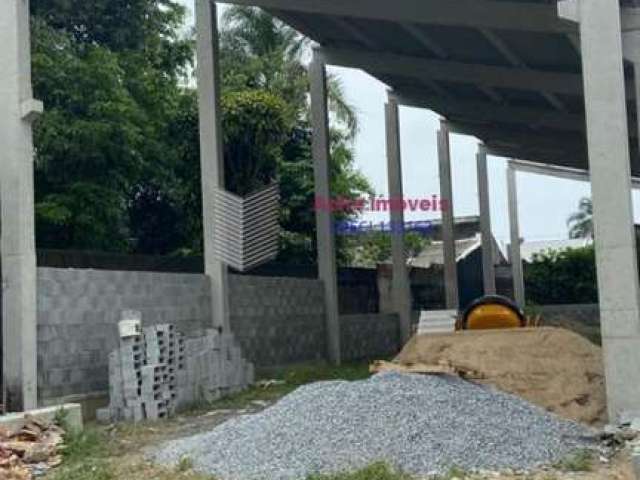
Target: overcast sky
{"points": [[544, 202]]}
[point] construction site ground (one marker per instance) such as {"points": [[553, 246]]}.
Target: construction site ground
{"points": [[115, 452]]}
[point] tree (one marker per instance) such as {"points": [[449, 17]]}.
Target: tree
{"points": [[259, 51], [562, 277], [372, 248], [256, 129], [117, 149], [581, 223], [110, 74], [89, 143], [147, 26]]}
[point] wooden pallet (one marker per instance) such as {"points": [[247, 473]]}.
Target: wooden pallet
{"points": [[442, 368]]}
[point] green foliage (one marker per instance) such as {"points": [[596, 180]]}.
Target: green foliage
{"points": [[255, 130], [371, 249], [260, 52], [580, 461], [562, 277], [88, 143], [109, 73], [184, 464], [89, 469], [581, 222], [453, 473], [61, 419], [85, 456], [117, 150], [377, 471], [149, 26]]}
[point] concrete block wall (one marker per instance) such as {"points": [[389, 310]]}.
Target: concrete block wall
{"points": [[78, 314], [583, 319], [370, 336], [278, 320], [588, 314]]}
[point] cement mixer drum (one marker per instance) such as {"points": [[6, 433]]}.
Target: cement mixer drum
{"points": [[493, 312]]}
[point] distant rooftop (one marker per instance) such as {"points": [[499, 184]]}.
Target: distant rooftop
{"points": [[433, 254], [529, 249]]}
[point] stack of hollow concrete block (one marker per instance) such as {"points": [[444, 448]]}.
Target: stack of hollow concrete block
{"points": [[158, 371]]}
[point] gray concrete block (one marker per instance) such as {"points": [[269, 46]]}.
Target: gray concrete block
{"points": [[15, 421]]}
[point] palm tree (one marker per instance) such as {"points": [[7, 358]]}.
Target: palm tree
{"points": [[262, 52], [581, 222]]}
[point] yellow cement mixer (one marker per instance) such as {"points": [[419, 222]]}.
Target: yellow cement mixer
{"points": [[493, 312]]}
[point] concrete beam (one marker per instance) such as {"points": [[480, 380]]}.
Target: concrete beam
{"points": [[560, 172], [492, 113], [521, 137], [439, 51], [17, 110], [629, 16], [543, 147], [379, 63], [515, 256], [355, 33], [540, 156], [615, 240], [454, 13], [400, 289], [516, 61], [327, 268], [425, 40], [488, 256], [211, 153], [448, 219]]}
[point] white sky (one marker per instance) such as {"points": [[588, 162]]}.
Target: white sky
{"points": [[545, 203]]}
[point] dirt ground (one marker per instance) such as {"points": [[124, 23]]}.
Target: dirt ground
{"points": [[554, 368], [117, 452], [122, 448]]}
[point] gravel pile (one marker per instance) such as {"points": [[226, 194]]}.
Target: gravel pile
{"points": [[420, 424]]}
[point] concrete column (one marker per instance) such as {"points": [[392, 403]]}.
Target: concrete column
{"points": [[211, 154], [325, 226], [514, 227], [488, 257], [17, 110], [448, 233], [401, 289], [616, 258]]}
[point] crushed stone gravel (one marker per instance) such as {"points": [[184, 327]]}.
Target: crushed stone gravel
{"points": [[423, 425]]}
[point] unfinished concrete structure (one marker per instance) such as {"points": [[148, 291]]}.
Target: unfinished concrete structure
{"points": [[17, 110], [532, 80], [529, 81]]}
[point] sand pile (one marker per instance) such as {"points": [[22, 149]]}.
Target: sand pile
{"points": [[550, 367]]}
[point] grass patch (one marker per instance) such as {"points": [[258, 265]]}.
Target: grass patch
{"points": [[93, 455], [85, 457], [98, 453], [377, 471], [455, 472], [580, 461], [292, 378], [184, 465]]}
